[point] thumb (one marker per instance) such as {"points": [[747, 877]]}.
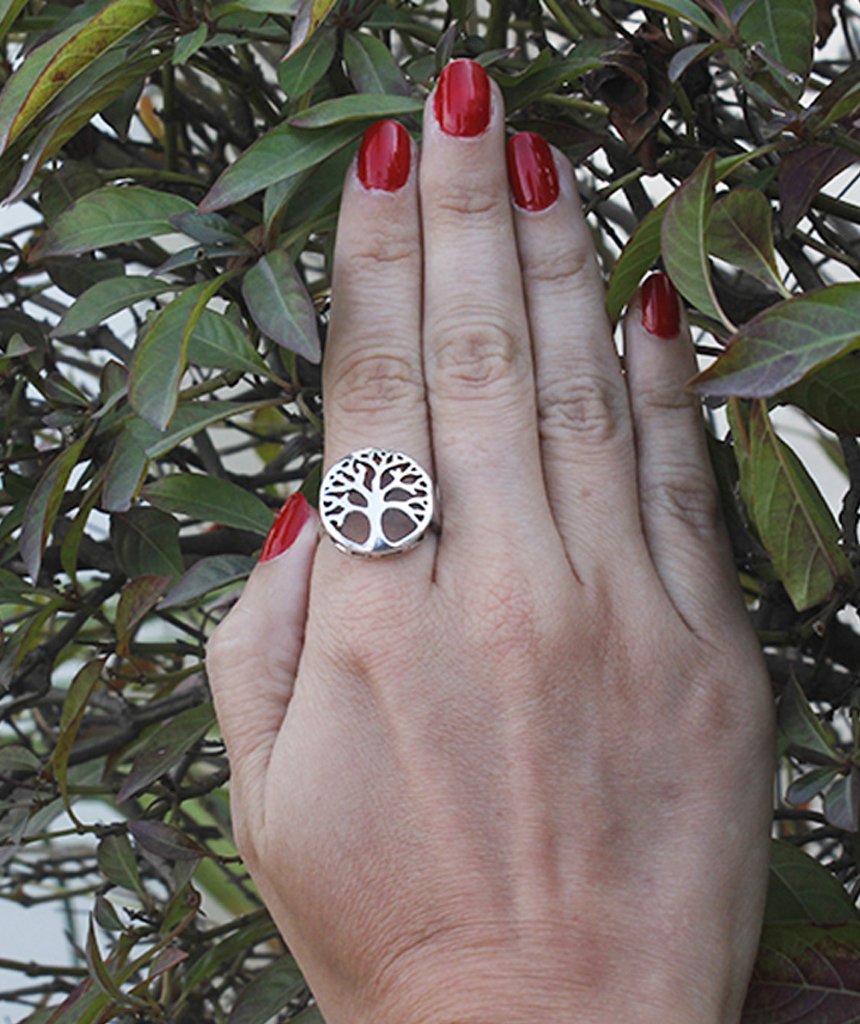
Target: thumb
{"points": [[253, 655]]}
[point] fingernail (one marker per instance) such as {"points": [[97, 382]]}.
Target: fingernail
{"points": [[286, 527], [661, 311], [532, 172], [462, 99], [383, 160]]}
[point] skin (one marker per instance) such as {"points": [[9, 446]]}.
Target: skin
{"points": [[523, 772]]}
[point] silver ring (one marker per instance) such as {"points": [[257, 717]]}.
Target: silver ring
{"points": [[375, 502]]}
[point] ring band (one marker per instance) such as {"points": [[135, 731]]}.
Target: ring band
{"points": [[375, 502]]}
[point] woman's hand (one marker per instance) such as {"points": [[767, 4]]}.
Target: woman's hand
{"points": [[523, 772]]}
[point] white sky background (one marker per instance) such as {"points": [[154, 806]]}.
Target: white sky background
{"points": [[37, 933]]}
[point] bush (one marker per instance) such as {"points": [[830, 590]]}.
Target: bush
{"points": [[177, 167]]}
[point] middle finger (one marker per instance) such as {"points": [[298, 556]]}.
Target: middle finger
{"points": [[477, 356]]}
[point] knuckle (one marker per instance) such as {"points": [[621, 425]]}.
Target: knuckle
{"points": [[591, 408], [690, 500], [454, 200], [469, 356], [379, 252], [565, 268], [370, 380], [660, 400]]}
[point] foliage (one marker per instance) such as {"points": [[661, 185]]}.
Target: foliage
{"points": [[177, 167]]}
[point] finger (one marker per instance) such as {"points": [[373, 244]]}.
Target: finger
{"points": [[678, 495], [477, 352], [373, 382], [586, 429], [253, 656]]}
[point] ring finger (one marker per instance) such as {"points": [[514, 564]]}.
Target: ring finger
{"points": [[373, 382]]}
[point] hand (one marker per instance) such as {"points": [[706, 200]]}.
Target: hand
{"points": [[523, 772]]}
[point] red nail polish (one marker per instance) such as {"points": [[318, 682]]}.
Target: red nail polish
{"points": [[462, 99], [661, 311], [286, 527], [383, 160], [532, 171]]}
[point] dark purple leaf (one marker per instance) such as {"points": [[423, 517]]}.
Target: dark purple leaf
{"points": [[165, 840], [805, 974], [781, 345]]}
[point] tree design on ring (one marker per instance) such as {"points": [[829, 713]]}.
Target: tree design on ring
{"points": [[376, 501]]}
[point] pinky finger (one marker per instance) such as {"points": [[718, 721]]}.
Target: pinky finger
{"points": [[679, 500], [253, 656]]}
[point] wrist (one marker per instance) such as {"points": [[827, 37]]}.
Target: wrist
{"points": [[522, 995]]}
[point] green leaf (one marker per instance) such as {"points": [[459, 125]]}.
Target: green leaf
{"points": [[110, 216], [166, 747], [802, 790], [741, 233], [104, 299], [279, 154], [787, 509], [206, 575], [683, 239], [636, 259], [268, 993], [780, 346], [208, 228], [217, 341], [371, 65], [803, 730], [190, 419], [118, 863], [9, 11], [357, 107], [842, 802], [124, 473], [15, 758], [786, 31], [801, 890], [103, 978], [279, 302], [74, 708], [301, 71], [686, 10], [831, 394], [165, 840], [93, 92], [159, 360], [139, 596], [146, 542], [209, 962], [52, 66], [211, 500], [44, 504], [309, 16], [189, 44], [547, 73], [106, 916], [643, 247]]}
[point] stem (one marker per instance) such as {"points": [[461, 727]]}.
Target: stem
{"points": [[497, 24], [168, 115], [577, 103]]}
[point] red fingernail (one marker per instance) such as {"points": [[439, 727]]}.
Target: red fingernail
{"points": [[383, 160], [286, 527], [532, 172], [661, 311], [462, 100]]}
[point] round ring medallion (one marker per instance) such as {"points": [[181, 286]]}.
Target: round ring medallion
{"points": [[375, 502]]}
